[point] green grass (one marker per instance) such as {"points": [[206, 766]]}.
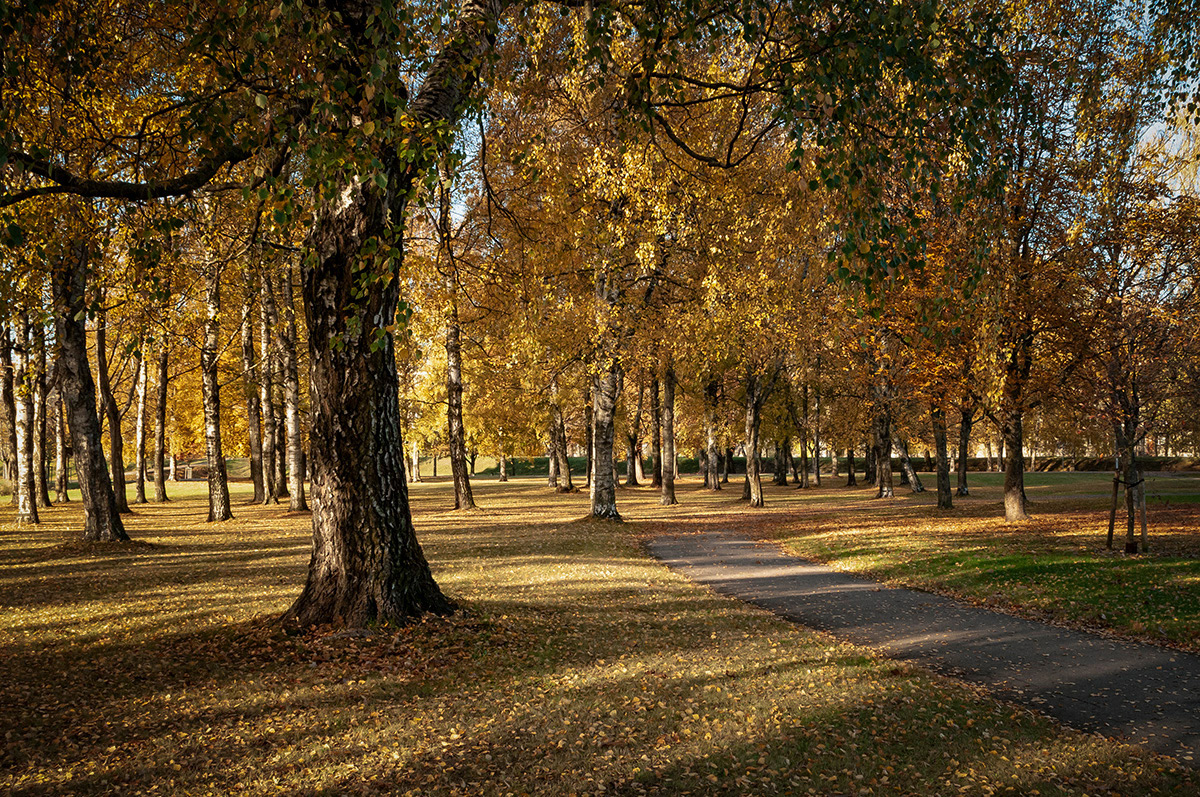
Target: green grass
{"points": [[1054, 567], [577, 665]]}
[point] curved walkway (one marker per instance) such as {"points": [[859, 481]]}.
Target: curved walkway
{"points": [[1138, 693]]}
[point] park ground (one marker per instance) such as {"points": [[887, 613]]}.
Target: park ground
{"points": [[576, 664]]}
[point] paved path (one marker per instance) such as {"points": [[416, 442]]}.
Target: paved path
{"points": [[1138, 693]]}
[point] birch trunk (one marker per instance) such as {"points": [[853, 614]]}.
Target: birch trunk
{"points": [[160, 425], [667, 497], [655, 435], [218, 484], [290, 372], [101, 519], [455, 434], [139, 437], [41, 477], [9, 409], [116, 441], [24, 388], [607, 386], [266, 390], [253, 399]]}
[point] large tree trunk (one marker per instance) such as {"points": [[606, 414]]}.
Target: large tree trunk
{"points": [[655, 435], [851, 478], [266, 386], [870, 448], [367, 566], [455, 435], [290, 371], [210, 388], [607, 388], [116, 441], [938, 420], [251, 393], [160, 424], [668, 438], [552, 456], [503, 464], [139, 432], [101, 519], [24, 373], [41, 480], [967, 412]]}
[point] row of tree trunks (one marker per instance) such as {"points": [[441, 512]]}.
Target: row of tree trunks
{"points": [[39, 390], [112, 413], [290, 368], [656, 455], [266, 390], [251, 383], [456, 435]]}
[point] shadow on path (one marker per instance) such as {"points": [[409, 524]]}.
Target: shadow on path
{"points": [[1138, 693]]}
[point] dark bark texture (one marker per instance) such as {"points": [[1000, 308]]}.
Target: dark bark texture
{"points": [[251, 394], [160, 424], [116, 442], [607, 387], [219, 508], [101, 518], [938, 419], [668, 439]]}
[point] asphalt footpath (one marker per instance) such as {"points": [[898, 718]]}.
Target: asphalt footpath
{"points": [[1137, 693]]}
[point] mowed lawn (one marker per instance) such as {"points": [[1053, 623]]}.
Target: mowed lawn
{"points": [[576, 665], [1055, 567]]}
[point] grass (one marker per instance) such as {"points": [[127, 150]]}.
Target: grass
{"points": [[1055, 567], [577, 665]]}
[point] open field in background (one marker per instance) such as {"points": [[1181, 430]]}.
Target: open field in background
{"points": [[577, 664]]}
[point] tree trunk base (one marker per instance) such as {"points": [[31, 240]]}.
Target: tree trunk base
{"points": [[607, 513], [1131, 546]]}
